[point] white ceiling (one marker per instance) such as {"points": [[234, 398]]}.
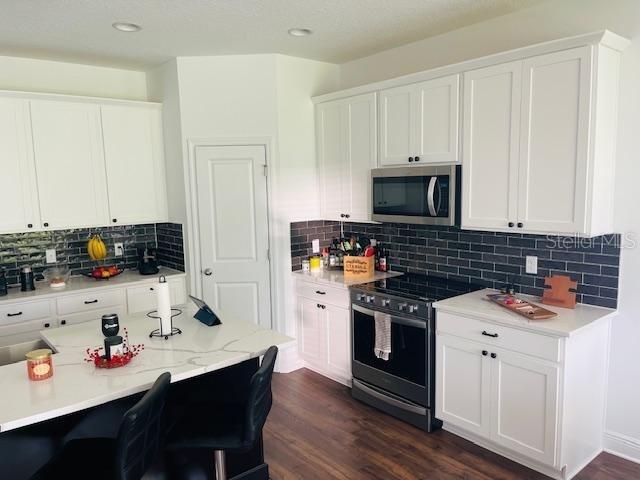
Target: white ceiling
{"points": [[80, 30]]}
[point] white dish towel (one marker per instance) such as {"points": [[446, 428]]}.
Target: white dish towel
{"points": [[382, 346]]}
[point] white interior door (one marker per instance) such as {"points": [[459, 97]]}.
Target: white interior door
{"points": [[554, 141], [234, 230], [490, 147], [19, 211]]}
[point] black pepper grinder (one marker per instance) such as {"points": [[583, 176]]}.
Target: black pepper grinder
{"points": [[27, 281]]}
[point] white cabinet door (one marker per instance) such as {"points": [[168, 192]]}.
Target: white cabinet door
{"points": [[338, 335], [69, 164], [311, 332], [554, 141], [397, 125], [463, 381], [330, 126], [490, 146], [19, 209], [133, 153], [524, 399], [361, 155], [437, 104]]}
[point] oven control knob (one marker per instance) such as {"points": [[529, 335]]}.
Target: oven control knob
{"points": [[402, 307], [370, 299], [360, 297], [385, 302], [413, 308]]}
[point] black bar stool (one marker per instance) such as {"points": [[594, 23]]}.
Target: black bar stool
{"points": [[231, 427], [128, 456]]}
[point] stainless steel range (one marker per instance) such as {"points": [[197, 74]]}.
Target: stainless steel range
{"points": [[404, 384]]}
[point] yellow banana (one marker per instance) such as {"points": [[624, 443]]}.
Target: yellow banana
{"points": [[96, 248], [102, 247], [90, 248]]}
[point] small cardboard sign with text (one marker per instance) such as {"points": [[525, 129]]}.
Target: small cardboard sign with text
{"points": [[359, 267]]}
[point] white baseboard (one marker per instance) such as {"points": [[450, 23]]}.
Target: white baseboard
{"points": [[622, 446]]}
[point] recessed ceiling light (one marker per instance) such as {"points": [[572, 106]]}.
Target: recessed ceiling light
{"points": [[299, 32], [126, 27]]}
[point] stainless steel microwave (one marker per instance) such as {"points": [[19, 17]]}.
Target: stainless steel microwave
{"points": [[426, 195]]}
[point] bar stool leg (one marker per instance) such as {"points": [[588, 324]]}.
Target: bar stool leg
{"points": [[220, 464]]}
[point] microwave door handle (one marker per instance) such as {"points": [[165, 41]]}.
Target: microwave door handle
{"points": [[430, 196]]}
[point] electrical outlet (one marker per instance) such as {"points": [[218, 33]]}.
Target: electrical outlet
{"points": [[315, 245], [119, 249], [532, 264], [51, 255]]}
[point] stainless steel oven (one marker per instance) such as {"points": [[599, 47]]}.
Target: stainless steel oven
{"points": [[425, 195]]}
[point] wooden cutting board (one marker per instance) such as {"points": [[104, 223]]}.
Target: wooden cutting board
{"points": [[521, 307]]}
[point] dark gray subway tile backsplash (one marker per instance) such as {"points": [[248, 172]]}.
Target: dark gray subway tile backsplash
{"points": [[488, 258], [20, 249]]}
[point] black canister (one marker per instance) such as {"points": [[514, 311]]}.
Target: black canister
{"points": [[27, 281], [113, 346], [110, 324]]}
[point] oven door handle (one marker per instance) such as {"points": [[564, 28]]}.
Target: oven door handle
{"points": [[408, 322], [431, 190], [389, 400]]}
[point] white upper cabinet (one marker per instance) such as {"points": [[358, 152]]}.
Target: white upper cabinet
{"points": [[19, 209], [537, 153], [346, 136], [419, 122], [133, 154], [490, 146], [554, 142], [69, 161]]}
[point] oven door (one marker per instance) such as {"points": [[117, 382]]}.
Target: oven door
{"points": [[405, 373], [424, 195]]}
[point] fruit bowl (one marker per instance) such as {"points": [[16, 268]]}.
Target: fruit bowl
{"points": [[105, 273]]}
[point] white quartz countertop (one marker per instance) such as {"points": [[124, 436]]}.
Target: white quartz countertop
{"points": [[77, 385], [79, 283], [336, 277], [568, 322]]}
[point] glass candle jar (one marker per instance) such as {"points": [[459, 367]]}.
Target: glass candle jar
{"points": [[39, 364]]}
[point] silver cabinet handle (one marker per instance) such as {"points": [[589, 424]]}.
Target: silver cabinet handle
{"points": [[208, 272]]}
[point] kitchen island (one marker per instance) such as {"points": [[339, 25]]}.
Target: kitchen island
{"points": [[77, 385]]}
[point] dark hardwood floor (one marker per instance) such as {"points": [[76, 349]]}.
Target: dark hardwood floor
{"points": [[317, 431]]}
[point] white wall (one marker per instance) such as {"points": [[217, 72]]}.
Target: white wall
{"points": [[32, 75], [544, 22], [241, 96]]}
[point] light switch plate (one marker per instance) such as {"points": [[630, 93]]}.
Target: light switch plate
{"points": [[315, 245], [119, 249], [532, 264], [51, 255]]}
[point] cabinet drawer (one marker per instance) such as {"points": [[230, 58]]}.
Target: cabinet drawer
{"points": [[91, 316], [90, 301], [529, 343], [323, 293], [23, 312], [143, 298], [33, 326]]}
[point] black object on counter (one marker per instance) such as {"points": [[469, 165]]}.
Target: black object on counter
{"points": [[113, 345], [205, 314], [110, 324], [147, 261], [27, 280], [4, 288]]}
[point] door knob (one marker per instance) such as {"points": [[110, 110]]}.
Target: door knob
{"points": [[208, 272]]}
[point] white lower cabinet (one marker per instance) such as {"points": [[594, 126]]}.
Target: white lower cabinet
{"points": [[324, 330], [495, 388]]}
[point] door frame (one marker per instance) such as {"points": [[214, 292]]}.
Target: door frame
{"points": [[193, 232]]}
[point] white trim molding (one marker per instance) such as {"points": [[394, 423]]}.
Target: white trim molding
{"points": [[622, 446]]}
